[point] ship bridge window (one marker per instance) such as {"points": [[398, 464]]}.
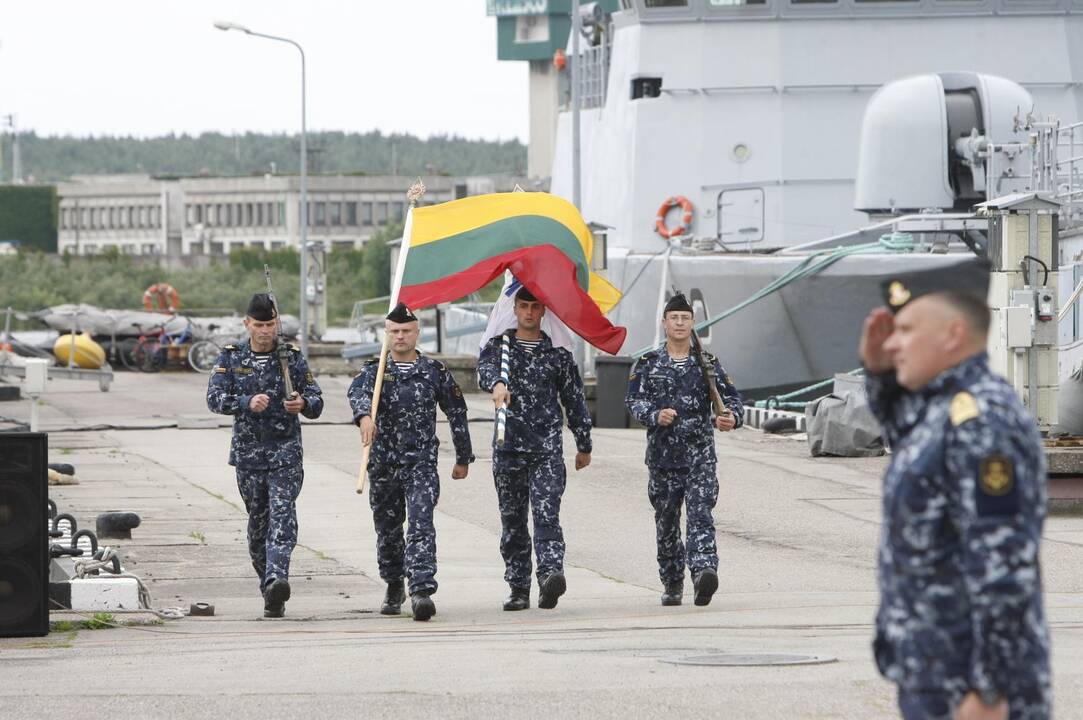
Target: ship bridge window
{"points": [[738, 3], [814, 2], [666, 3]]}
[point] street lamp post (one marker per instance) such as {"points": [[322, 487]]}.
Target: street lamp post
{"points": [[221, 25]]}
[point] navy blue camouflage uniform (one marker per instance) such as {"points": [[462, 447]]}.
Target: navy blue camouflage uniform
{"points": [[963, 503], [265, 449], [681, 456], [529, 469], [402, 464]]}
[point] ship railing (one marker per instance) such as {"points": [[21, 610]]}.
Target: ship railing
{"points": [[1057, 167]]}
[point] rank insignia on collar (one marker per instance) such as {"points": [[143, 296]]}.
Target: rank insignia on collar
{"points": [[963, 407], [997, 476], [898, 295]]}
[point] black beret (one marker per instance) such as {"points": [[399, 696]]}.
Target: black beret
{"points": [[970, 277], [677, 302], [525, 295], [401, 314], [261, 307]]}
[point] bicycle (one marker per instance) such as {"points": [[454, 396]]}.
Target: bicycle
{"points": [[203, 354], [151, 351]]}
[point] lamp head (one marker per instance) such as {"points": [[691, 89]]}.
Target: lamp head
{"points": [[226, 25]]}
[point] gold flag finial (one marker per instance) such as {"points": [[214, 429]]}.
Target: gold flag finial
{"points": [[415, 192]]}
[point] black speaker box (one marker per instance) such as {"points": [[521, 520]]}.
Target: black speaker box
{"points": [[24, 541]]}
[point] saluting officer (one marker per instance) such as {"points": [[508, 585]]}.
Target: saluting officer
{"points": [[528, 469], [402, 472], [667, 393], [247, 383], [961, 629]]}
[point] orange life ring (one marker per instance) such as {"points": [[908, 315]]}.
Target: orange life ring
{"points": [[686, 216], [161, 296]]}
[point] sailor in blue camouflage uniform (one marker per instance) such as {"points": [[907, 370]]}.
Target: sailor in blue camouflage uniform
{"points": [[961, 627], [528, 469], [266, 448], [402, 465], [668, 394]]}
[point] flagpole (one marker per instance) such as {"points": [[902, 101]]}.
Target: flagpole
{"points": [[413, 195]]}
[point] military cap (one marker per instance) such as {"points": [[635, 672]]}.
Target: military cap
{"points": [[970, 277], [261, 307], [677, 303], [401, 314], [525, 295]]}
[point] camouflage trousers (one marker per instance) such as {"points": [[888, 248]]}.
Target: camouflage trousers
{"points": [[530, 482], [397, 493], [669, 489], [934, 705], [270, 497]]}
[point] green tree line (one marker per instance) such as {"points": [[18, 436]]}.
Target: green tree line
{"points": [[49, 159]]}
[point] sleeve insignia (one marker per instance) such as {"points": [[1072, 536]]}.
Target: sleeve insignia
{"points": [[729, 380], [220, 369], [457, 392], [997, 476], [963, 407], [308, 377], [231, 347], [632, 377]]}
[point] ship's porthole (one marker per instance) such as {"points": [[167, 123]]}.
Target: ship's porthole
{"points": [[740, 152]]}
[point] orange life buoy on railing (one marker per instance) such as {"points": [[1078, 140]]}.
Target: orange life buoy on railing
{"points": [[686, 217], [161, 296]]}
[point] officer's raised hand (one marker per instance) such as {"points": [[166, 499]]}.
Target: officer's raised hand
{"points": [[972, 708], [259, 403], [295, 404], [666, 416], [459, 472], [725, 422], [501, 395], [368, 430], [582, 459], [877, 329]]}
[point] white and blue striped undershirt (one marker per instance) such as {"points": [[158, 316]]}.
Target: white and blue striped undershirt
{"points": [[528, 345], [404, 367]]}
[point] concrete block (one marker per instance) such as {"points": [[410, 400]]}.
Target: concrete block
{"points": [[104, 594]]}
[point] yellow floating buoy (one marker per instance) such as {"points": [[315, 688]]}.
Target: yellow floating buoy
{"points": [[89, 355]]}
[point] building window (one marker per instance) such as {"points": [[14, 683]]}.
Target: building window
{"points": [[249, 216], [259, 214], [351, 214], [396, 211], [199, 213], [666, 3], [281, 213], [366, 213], [335, 214], [381, 213], [321, 213], [142, 216]]}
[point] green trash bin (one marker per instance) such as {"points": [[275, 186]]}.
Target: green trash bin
{"points": [[612, 375]]}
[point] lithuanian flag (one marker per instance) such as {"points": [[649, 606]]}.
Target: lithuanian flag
{"points": [[458, 247]]}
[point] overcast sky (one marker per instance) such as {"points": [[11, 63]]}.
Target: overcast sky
{"points": [[149, 67]]}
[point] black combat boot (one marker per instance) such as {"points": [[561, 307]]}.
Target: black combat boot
{"points": [[674, 594], [706, 582], [550, 590], [393, 598], [423, 606], [519, 599], [274, 599]]}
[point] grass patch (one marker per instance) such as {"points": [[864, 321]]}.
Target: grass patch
{"points": [[97, 621], [196, 535]]}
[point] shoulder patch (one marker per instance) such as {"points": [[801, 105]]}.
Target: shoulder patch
{"points": [[651, 355], [293, 347], [308, 377], [963, 407], [457, 392], [373, 361]]}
